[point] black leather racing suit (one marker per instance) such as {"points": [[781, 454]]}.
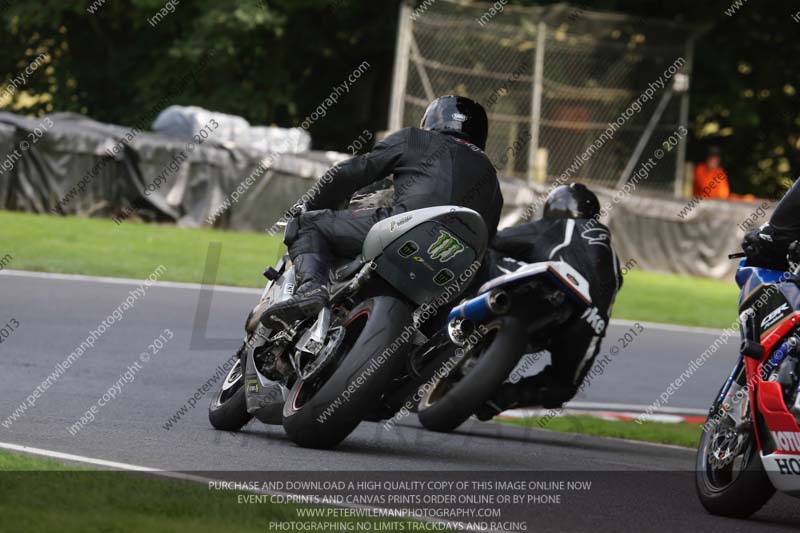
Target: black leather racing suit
{"points": [[430, 169], [767, 246], [586, 245]]}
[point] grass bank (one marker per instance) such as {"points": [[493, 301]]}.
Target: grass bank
{"points": [[672, 299], [43, 495], [101, 247], [678, 434]]}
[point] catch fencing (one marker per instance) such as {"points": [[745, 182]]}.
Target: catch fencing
{"points": [[557, 78]]}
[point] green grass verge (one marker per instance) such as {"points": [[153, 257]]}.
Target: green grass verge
{"points": [[658, 297], [100, 247], [43, 495], [678, 434], [16, 462]]}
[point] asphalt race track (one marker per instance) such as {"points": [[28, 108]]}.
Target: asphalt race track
{"points": [[646, 486]]}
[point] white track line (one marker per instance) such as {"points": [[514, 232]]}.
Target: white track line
{"points": [[97, 462], [246, 290], [668, 327], [204, 480], [627, 407], [125, 281]]}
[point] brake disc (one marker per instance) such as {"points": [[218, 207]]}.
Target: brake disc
{"points": [[725, 447], [321, 361]]}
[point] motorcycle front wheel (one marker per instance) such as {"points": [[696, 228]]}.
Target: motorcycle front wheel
{"points": [[228, 408], [729, 476]]}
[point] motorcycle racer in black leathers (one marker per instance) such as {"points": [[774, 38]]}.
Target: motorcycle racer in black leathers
{"points": [[441, 163], [569, 231], [767, 246]]}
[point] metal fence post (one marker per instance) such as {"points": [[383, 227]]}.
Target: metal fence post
{"points": [[536, 102], [647, 134], [680, 164], [401, 59]]}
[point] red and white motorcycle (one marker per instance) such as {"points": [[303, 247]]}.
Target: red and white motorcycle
{"points": [[750, 444]]}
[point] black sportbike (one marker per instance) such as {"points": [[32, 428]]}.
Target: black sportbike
{"points": [[512, 315]]}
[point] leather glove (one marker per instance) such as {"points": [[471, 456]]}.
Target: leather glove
{"points": [[297, 209], [761, 247]]}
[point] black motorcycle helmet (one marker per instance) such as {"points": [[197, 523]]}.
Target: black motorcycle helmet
{"points": [[457, 116], [571, 201]]}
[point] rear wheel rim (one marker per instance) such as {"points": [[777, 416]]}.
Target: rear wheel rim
{"points": [[442, 386], [306, 390]]}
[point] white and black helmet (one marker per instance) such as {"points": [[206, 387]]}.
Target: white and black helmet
{"points": [[571, 201], [458, 116]]}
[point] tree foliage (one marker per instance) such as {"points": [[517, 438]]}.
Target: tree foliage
{"points": [[744, 85], [275, 60]]}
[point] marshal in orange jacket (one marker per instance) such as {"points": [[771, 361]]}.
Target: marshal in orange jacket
{"points": [[710, 182]]}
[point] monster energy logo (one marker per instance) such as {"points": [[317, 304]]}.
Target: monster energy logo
{"points": [[445, 248]]}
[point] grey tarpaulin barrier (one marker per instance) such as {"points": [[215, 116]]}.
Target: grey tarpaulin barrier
{"points": [[184, 122], [647, 229], [80, 166], [650, 230]]}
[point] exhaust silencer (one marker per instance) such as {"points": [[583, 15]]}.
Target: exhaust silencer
{"points": [[459, 330]]}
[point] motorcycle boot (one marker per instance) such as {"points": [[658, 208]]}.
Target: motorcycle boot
{"points": [[310, 294]]}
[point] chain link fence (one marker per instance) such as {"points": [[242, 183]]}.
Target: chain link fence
{"points": [[553, 79]]}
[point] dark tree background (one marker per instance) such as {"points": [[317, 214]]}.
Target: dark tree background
{"points": [[275, 60], [744, 85]]}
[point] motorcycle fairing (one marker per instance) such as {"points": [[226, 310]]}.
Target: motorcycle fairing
{"points": [[783, 471], [264, 396], [771, 407], [422, 252], [750, 278], [562, 274], [769, 294], [778, 435], [282, 288]]}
